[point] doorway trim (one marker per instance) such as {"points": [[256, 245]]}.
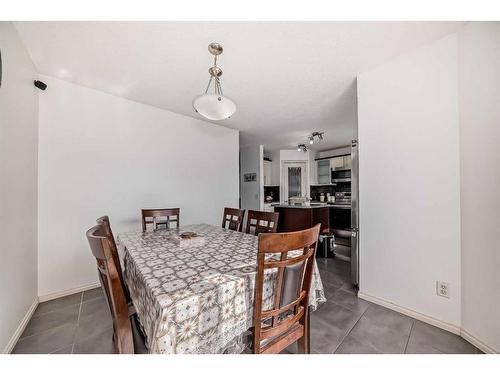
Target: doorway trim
{"points": [[283, 177]]}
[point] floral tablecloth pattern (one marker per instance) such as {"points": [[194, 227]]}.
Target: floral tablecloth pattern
{"points": [[196, 296]]}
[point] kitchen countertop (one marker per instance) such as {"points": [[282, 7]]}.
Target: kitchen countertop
{"points": [[286, 205], [312, 205]]}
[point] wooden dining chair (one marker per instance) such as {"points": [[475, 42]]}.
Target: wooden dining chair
{"points": [[233, 218], [261, 222], [288, 319], [104, 221], [159, 217], [127, 334]]}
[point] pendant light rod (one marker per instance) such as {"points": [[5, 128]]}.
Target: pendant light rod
{"points": [[214, 106]]}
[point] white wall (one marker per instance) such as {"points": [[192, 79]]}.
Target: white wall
{"points": [[479, 88], [313, 168], [275, 168], [252, 192], [408, 131], [100, 154], [293, 155], [18, 184]]}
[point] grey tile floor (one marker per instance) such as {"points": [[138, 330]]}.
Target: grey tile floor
{"points": [[81, 323]]}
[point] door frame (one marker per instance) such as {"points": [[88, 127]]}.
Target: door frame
{"points": [[304, 164]]}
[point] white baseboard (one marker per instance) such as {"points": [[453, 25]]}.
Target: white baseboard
{"points": [[478, 343], [67, 292], [414, 314], [20, 329], [432, 321]]}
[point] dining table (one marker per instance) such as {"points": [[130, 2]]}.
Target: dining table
{"points": [[195, 295]]}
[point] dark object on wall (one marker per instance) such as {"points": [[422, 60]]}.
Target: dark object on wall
{"points": [[42, 86], [250, 177]]}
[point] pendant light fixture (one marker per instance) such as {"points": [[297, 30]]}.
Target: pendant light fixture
{"points": [[214, 105]]}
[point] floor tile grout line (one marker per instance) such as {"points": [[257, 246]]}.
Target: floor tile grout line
{"points": [[407, 341], [52, 311], [347, 334], [77, 323], [47, 329], [357, 321], [40, 332], [346, 307], [62, 308]]}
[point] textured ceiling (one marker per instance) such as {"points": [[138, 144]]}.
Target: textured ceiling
{"points": [[287, 78]]}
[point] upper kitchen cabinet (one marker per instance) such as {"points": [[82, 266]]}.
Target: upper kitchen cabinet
{"points": [[324, 174], [347, 162], [267, 172], [341, 162], [337, 162], [325, 167]]}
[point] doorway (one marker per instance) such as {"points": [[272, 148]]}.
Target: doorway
{"points": [[294, 179]]}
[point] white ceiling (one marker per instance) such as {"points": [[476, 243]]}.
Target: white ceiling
{"points": [[287, 78]]}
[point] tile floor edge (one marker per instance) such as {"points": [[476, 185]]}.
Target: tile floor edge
{"points": [[411, 313], [478, 343], [67, 292], [474, 340], [21, 327]]}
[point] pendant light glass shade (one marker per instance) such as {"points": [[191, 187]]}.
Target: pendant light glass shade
{"points": [[214, 107]]}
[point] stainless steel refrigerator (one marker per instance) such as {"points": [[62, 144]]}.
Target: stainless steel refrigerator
{"points": [[354, 213]]}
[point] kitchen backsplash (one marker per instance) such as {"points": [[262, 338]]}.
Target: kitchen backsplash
{"points": [[316, 190]]}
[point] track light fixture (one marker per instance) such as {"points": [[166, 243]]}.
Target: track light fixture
{"points": [[302, 147], [315, 134]]}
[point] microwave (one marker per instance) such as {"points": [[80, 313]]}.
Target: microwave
{"points": [[342, 175]]}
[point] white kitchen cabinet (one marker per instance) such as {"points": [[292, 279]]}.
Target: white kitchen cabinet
{"points": [[347, 162], [267, 172], [324, 174], [337, 162], [325, 166], [341, 162]]}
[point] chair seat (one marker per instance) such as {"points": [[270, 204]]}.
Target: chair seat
{"points": [[138, 336]]}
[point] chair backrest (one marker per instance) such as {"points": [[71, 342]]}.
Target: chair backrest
{"points": [[104, 221], [160, 216], [261, 222], [110, 282], [291, 294], [233, 218]]}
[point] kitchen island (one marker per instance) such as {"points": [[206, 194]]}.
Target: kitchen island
{"points": [[299, 217]]}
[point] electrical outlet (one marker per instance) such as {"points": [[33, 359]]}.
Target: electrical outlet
{"points": [[443, 289]]}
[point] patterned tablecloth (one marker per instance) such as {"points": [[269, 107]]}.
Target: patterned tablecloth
{"points": [[196, 295]]}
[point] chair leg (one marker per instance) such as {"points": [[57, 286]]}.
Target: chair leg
{"points": [[252, 341], [304, 344], [115, 344]]}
